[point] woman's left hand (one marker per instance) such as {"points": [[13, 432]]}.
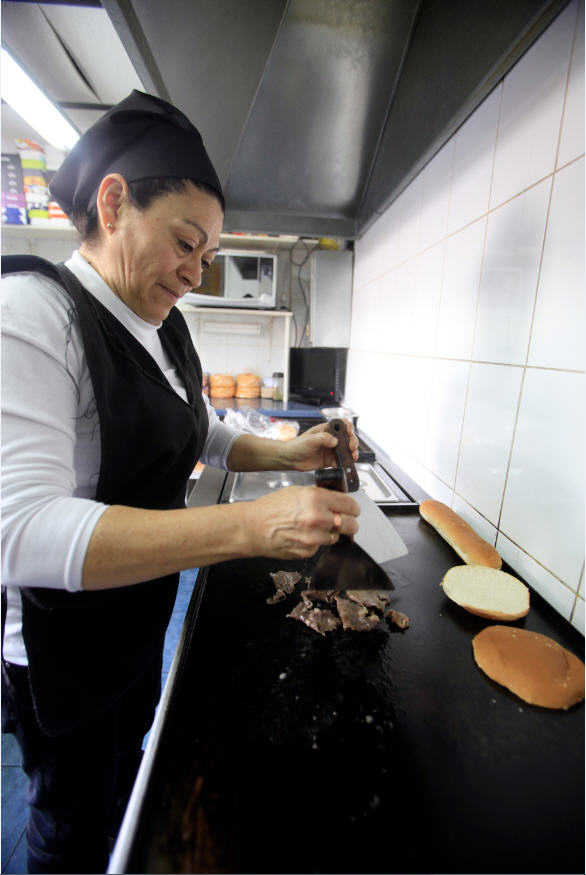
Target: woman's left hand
{"points": [[315, 448]]}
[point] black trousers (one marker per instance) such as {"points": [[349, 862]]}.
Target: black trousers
{"points": [[79, 782]]}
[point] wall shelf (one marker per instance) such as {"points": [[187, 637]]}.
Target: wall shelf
{"points": [[212, 316], [41, 232]]}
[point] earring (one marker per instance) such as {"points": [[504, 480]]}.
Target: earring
{"points": [[109, 226]]}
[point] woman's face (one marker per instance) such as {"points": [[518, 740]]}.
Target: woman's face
{"points": [[160, 253]]}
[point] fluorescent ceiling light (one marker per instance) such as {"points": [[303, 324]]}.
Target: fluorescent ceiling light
{"points": [[21, 93]]}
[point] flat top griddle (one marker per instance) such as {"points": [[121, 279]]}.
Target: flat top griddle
{"points": [[386, 751]]}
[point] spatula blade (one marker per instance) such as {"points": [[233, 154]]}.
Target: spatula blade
{"points": [[345, 565]]}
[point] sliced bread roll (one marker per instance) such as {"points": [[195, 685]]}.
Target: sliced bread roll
{"points": [[469, 546], [487, 592], [532, 666]]}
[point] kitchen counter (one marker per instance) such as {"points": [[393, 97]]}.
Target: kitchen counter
{"points": [[268, 407], [279, 750]]}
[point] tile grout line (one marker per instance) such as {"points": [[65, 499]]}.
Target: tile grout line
{"points": [[472, 361], [490, 523], [479, 218], [13, 851]]}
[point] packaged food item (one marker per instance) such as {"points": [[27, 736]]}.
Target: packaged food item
{"points": [[250, 420], [13, 197], [266, 390], [34, 175]]}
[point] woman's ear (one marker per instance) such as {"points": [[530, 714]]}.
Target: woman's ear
{"points": [[112, 193]]}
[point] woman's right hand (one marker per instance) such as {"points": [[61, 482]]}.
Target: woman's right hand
{"points": [[294, 522]]}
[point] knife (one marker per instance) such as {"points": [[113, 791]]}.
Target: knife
{"points": [[354, 562]]}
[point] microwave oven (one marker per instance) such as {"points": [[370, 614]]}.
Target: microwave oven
{"points": [[238, 278]]}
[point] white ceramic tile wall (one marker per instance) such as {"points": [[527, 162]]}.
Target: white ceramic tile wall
{"points": [[459, 293], [572, 139], [531, 110], [473, 160], [557, 339], [467, 351], [510, 270]]}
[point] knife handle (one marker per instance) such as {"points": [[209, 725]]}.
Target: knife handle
{"points": [[343, 455]]}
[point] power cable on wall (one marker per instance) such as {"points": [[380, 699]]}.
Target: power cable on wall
{"points": [[302, 285]]}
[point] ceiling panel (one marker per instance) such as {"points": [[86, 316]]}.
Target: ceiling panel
{"points": [[29, 37], [91, 39], [316, 113]]}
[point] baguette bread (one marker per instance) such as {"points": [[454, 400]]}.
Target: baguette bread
{"points": [[532, 666], [469, 546], [487, 592]]}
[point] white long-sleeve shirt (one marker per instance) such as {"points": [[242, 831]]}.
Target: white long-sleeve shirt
{"points": [[51, 438]]}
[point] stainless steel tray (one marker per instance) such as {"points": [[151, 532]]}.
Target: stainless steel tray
{"points": [[253, 484]]}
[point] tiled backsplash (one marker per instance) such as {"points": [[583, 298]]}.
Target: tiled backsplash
{"points": [[467, 353]]}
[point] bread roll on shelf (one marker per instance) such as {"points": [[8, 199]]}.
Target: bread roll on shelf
{"points": [[469, 546], [222, 386], [487, 592], [223, 381], [247, 386], [532, 666], [221, 392], [248, 380]]}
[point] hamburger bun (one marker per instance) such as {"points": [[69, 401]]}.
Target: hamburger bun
{"points": [[487, 592], [532, 666], [247, 386], [469, 546], [223, 381], [222, 391], [248, 380], [222, 386]]}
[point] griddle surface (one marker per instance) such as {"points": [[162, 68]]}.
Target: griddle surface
{"points": [[386, 751]]}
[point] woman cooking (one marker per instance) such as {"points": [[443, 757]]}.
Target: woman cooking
{"points": [[103, 421]]}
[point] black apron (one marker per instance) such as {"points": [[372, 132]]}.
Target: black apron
{"points": [[86, 648]]}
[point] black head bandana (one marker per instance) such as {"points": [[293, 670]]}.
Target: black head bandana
{"points": [[142, 137]]}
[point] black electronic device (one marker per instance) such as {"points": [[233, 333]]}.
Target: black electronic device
{"points": [[317, 374]]}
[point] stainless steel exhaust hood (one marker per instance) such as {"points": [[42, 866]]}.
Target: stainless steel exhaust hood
{"points": [[316, 113]]}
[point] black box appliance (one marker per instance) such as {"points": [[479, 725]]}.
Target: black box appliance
{"points": [[317, 374]]}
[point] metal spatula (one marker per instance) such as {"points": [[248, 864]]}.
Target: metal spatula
{"points": [[353, 563]]}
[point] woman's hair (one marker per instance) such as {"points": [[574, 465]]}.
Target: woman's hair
{"points": [[142, 193]]}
